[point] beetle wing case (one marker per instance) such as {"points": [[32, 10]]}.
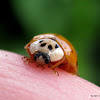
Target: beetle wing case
{"points": [[70, 62]]}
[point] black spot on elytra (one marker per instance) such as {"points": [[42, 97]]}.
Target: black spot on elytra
{"points": [[56, 46], [49, 47], [43, 44], [41, 41]]}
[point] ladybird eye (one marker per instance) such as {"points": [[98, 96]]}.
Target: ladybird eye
{"points": [[43, 44], [41, 41], [50, 47], [56, 46]]}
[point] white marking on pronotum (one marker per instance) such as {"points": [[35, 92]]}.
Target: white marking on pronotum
{"points": [[55, 54]]}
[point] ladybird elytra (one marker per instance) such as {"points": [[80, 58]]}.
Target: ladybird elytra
{"points": [[54, 50]]}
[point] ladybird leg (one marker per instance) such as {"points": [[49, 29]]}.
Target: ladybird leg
{"points": [[53, 69], [27, 59], [58, 63], [77, 74], [55, 72], [55, 66]]}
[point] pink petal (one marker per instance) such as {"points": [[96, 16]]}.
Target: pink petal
{"points": [[22, 81]]}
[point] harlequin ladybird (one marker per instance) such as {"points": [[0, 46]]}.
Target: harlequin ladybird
{"points": [[53, 50]]}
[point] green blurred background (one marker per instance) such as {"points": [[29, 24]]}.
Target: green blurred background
{"points": [[77, 20]]}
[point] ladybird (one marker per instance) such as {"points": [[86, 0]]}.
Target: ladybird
{"points": [[53, 50]]}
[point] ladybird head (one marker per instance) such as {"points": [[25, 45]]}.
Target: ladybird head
{"points": [[47, 50]]}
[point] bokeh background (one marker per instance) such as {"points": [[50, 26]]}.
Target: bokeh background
{"points": [[77, 20]]}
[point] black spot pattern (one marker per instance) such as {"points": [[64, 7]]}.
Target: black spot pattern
{"points": [[43, 44], [56, 46], [49, 47], [41, 41]]}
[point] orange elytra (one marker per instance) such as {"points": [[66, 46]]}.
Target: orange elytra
{"points": [[53, 50]]}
